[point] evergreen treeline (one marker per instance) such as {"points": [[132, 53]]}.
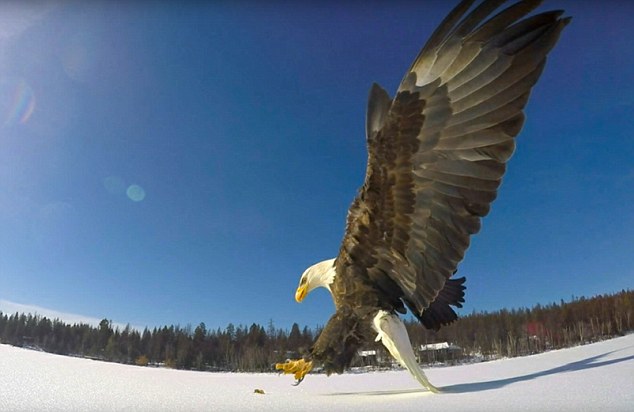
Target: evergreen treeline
{"points": [[255, 348], [238, 348], [519, 332]]}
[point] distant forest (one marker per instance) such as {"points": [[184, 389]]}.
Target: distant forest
{"points": [[478, 336]]}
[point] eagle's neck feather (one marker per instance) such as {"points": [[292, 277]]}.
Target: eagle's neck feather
{"points": [[321, 274]]}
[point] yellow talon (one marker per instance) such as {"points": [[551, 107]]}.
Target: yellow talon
{"points": [[297, 367]]}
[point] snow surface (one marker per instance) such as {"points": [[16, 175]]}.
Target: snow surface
{"points": [[596, 377]]}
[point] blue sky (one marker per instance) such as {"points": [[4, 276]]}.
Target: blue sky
{"points": [[172, 164]]}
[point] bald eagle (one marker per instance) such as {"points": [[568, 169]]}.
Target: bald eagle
{"points": [[437, 152]]}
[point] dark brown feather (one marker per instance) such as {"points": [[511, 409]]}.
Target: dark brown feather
{"points": [[436, 155]]}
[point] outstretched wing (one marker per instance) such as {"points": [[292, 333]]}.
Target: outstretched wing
{"points": [[437, 151]]}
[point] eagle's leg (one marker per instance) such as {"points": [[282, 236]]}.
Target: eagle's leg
{"points": [[392, 332], [299, 368]]}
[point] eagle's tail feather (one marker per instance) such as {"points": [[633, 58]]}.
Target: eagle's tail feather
{"points": [[440, 313]]}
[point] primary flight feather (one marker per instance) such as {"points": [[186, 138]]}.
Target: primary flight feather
{"points": [[437, 152]]}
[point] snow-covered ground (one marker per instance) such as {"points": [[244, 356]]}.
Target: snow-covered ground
{"points": [[597, 377]]}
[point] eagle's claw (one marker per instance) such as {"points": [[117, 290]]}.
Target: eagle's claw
{"points": [[297, 367]]}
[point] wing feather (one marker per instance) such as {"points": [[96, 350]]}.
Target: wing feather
{"points": [[437, 152]]}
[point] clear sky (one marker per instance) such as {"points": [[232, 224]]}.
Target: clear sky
{"points": [[172, 164]]}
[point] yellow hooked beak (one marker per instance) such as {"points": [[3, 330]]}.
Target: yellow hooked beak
{"points": [[301, 292]]}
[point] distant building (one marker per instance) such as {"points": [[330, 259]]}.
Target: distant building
{"points": [[368, 357], [365, 353], [439, 352]]}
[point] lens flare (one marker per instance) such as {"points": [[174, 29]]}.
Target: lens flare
{"points": [[135, 193], [78, 56], [114, 185], [17, 101]]}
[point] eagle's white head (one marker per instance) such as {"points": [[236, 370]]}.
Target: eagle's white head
{"points": [[321, 274]]}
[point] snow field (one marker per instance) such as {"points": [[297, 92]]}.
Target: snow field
{"points": [[595, 377]]}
